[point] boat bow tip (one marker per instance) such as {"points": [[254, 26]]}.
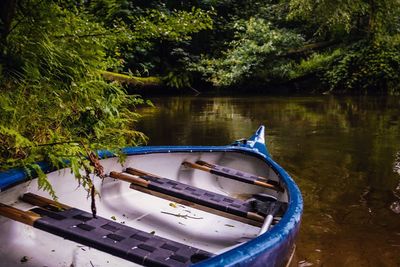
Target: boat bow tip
{"points": [[255, 142]]}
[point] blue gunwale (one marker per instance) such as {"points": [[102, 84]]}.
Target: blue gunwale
{"points": [[268, 249]]}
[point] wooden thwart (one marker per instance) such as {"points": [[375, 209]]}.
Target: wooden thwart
{"points": [[190, 196], [234, 174]]}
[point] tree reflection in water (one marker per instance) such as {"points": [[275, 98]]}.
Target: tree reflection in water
{"points": [[395, 206]]}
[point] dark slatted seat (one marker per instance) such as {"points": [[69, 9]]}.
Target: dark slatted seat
{"points": [[117, 239], [237, 175], [199, 196], [234, 174]]}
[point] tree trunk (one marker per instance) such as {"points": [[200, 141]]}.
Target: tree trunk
{"points": [[7, 13], [142, 82], [371, 20], [308, 48]]}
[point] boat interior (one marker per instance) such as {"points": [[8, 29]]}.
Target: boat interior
{"points": [[153, 209]]}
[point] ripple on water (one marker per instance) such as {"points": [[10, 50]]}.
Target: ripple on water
{"points": [[395, 207]]}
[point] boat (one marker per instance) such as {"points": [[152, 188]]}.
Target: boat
{"points": [[230, 205]]}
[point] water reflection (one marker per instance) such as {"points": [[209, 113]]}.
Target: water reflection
{"points": [[395, 206], [339, 150]]}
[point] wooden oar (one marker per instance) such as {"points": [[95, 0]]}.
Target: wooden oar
{"points": [[26, 217], [29, 217], [43, 202], [234, 174], [138, 172], [134, 179], [141, 183]]}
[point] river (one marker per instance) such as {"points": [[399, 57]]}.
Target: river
{"points": [[343, 152]]}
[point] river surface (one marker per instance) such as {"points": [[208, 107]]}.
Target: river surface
{"points": [[343, 152]]}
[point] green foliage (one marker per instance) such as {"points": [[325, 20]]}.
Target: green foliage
{"points": [[173, 26], [43, 183], [316, 63], [55, 106], [152, 33], [162, 33], [365, 67], [240, 56], [331, 14], [258, 50], [177, 80], [365, 18]]}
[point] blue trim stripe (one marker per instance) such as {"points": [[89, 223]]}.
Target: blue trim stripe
{"points": [[13, 177]]}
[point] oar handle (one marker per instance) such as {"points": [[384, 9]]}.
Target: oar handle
{"points": [[129, 178], [137, 172], [196, 166], [267, 185], [26, 217], [42, 201], [203, 163]]}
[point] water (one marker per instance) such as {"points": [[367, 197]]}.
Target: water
{"points": [[342, 152]]}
